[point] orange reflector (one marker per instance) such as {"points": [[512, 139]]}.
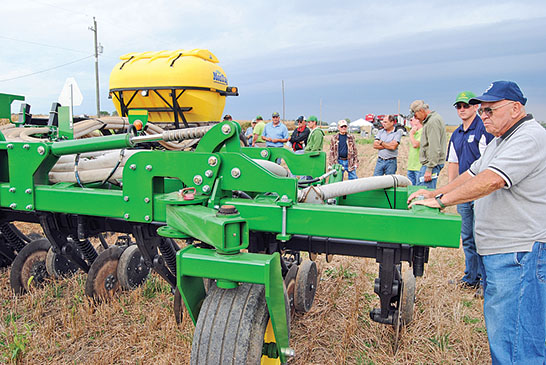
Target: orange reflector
{"points": [[138, 124]]}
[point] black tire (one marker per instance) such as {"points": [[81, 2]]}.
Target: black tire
{"points": [[132, 271], [58, 266], [29, 263], [407, 299], [290, 284], [102, 279], [306, 286], [231, 326]]}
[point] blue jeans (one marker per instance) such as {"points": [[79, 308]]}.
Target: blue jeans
{"points": [[473, 265], [385, 167], [413, 176], [515, 306], [345, 165], [430, 184]]}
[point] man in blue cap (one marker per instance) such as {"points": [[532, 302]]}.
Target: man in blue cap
{"points": [[507, 184], [466, 145]]}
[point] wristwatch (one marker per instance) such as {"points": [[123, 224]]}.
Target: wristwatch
{"points": [[439, 200]]}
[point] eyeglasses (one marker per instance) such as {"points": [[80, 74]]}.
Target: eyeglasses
{"points": [[342, 126], [462, 105], [489, 111]]}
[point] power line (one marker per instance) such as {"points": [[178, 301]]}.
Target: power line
{"points": [[49, 69], [41, 44]]}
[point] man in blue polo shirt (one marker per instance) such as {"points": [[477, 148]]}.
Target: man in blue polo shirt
{"points": [[466, 145], [275, 133]]}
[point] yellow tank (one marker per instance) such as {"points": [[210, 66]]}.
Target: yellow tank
{"points": [[148, 80]]}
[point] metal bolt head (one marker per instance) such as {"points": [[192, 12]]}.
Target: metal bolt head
{"points": [[208, 173], [213, 161], [26, 146], [132, 167], [41, 150], [147, 218], [126, 198], [284, 198], [289, 352], [197, 180], [28, 207], [10, 146], [148, 167], [126, 216], [226, 129], [235, 172], [13, 205], [146, 200], [264, 153], [206, 188], [12, 190], [28, 191]]}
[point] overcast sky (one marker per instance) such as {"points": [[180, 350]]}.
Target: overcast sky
{"points": [[357, 57]]}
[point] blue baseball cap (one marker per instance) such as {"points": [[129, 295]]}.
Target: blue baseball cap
{"points": [[500, 90]]}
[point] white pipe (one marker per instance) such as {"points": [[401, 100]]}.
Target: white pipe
{"points": [[348, 187], [272, 167]]}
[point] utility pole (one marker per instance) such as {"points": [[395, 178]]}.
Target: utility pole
{"points": [[98, 50], [320, 112], [283, 110]]}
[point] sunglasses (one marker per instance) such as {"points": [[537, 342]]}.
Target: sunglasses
{"points": [[343, 126], [489, 111], [462, 105]]}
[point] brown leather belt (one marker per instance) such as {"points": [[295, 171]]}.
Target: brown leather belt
{"points": [[343, 158]]}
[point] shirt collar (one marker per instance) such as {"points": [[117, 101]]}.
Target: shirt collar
{"points": [[513, 128]]}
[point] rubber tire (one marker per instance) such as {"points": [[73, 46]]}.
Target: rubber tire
{"points": [[104, 266], [35, 250], [127, 258], [231, 326], [407, 301], [59, 266], [290, 285], [306, 286]]}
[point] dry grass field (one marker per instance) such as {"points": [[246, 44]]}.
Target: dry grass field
{"points": [[57, 324]]}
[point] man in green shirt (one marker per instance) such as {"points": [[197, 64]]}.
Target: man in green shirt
{"points": [[413, 155], [257, 140], [316, 137], [433, 143]]}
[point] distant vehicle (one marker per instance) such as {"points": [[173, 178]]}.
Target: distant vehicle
{"points": [[400, 125], [354, 129], [369, 118], [332, 128]]}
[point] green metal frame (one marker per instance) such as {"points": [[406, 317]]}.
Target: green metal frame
{"points": [[218, 166]]}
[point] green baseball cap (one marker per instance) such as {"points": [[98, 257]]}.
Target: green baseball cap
{"points": [[259, 117], [464, 97], [312, 118]]}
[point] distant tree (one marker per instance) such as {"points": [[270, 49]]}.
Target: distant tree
{"points": [[347, 120], [115, 113], [104, 113]]}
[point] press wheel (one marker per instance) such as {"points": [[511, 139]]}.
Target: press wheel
{"points": [[102, 279], [290, 283], [306, 286], [28, 268], [132, 271], [407, 298], [59, 266]]}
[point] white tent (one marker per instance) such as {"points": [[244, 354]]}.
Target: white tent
{"points": [[360, 123]]}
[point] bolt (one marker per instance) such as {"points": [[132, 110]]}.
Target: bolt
{"points": [[235, 172], [284, 198], [147, 218], [289, 352], [148, 167], [126, 198], [264, 153], [132, 167], [12, 190], [26, 146], [213, 161], [29, 207], [41, 150], [13, 205], [208, 173], [226, 129], [197, 180], [126, 216], [10, 146], [206, 188], [146, 200], [28, 191]]}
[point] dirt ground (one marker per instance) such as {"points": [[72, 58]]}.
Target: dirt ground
{"points": [[57, 324]]}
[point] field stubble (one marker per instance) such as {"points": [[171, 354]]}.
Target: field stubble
{"points": [[57, 324]]}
